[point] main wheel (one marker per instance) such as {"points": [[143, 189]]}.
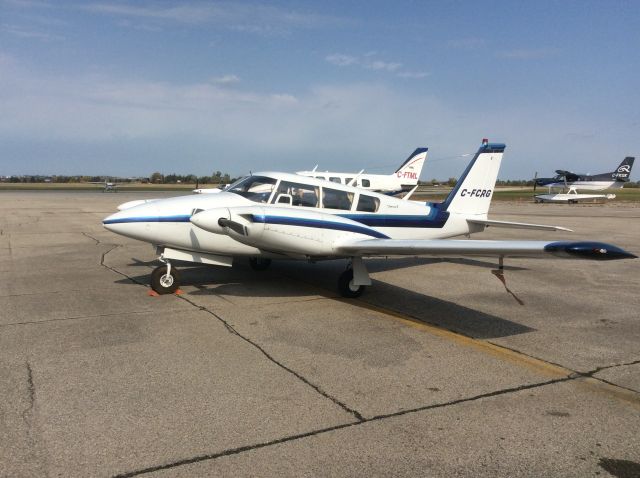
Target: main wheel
{"points": [[164, 283], [259, 263], [346, 287]]}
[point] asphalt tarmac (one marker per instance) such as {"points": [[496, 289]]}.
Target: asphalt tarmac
{"points": [[444, 367]]}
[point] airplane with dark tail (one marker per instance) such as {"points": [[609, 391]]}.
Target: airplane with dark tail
{"points": [[593, 182]]}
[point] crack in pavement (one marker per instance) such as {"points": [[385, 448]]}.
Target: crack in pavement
{"points": [[299, 376], [85, 234], [238, 450], [31, 395], [233, 331], [566, 375]]}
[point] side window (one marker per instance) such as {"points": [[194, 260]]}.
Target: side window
{"points": [[348, 180], [254, 188], [335, 199], [335, 180], [321, 177], [301, 194], [368, 203], [366, 183]]}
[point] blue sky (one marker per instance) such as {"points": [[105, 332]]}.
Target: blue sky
{"points": [[128, 88]]}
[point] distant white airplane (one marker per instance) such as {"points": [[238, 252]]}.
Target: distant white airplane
{"points": [[403, 179], [269, 216], [108, 185]]}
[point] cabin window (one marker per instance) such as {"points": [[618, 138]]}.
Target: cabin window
{"points": [[347, 180], [321, 177], [335, 180], [301, 194], [368, 203], [366, 183], [254, 188], [336, 199]]}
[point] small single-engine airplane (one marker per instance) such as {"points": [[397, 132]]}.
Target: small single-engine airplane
{"points": [[269, 216], [404, 179], [108, 186], [567, 180]]}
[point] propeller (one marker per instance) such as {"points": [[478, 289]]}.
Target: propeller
{"points": [[234, 226], [535, 181]]}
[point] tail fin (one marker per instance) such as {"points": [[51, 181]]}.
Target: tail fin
{"points": [[410, 170], [472, 193], [624, 170]]}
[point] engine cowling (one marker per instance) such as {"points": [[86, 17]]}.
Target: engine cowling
{"points": [[286, 230]]}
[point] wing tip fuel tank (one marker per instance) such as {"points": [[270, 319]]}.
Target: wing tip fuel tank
{"points": [[589, 250]]}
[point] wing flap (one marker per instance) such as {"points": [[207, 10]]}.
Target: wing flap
{"points": [[518, 225], [461, 247]]}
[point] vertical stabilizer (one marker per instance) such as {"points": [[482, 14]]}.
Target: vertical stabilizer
{"points": [[624, 170], [472, 193], [409, 171]]}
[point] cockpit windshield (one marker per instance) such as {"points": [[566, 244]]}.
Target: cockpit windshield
{"points": [[254, 188]]}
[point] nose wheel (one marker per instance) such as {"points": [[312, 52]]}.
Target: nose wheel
{"points": [[165, 279]]}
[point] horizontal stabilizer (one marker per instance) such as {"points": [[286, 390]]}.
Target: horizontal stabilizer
{"points": [[461, 247], [518, 225]]}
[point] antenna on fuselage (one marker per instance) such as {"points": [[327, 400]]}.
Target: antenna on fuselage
{"points": [[351, 183]]}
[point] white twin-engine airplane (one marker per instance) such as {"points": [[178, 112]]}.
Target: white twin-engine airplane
{"points": [[404, 179], [269, 216]]}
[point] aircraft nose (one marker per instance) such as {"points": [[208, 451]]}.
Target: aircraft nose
{"points": [[110, 222]]}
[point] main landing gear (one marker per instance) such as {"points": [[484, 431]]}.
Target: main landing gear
{"points": [[259, 263], [352, 282], [165, 279]]}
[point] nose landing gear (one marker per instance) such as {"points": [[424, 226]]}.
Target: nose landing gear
{"points": [[165, 279]]}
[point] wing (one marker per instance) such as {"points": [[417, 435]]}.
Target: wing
{"points": [[461, 247]]}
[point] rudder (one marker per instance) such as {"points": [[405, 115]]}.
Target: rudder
{"points": [[473, 191]]}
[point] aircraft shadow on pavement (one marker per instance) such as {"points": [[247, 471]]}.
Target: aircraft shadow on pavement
{"points": [[289, 279]]}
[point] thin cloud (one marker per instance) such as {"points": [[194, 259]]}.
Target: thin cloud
{"points": [[28, 3], [369, 62], [413, 74], [225, 80], [382, 65], [256, 18], [529, 53], [470, 43], [29, 33], [339, 59]]}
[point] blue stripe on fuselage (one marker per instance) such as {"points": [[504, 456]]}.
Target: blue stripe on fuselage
{"points": [[317, 223], [180, 218], [435, 219]]}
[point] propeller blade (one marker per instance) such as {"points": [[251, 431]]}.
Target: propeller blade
{"points": [[234, 226], [535, 181]]}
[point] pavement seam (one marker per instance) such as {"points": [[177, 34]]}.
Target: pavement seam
{"points": [[490, 347], [239, 450], [87, 317]]}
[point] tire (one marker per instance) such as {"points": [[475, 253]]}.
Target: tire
{"points": [[259, 263], [346, 287], [162, 283]]}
